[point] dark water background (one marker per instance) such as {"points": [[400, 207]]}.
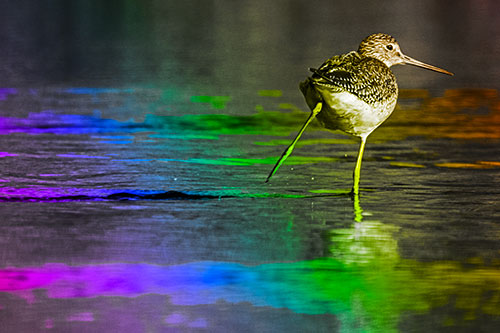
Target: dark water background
{"points": [[136, 136]]}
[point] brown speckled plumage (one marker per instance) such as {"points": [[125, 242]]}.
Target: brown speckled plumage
{"points": [[360, 74], [367, 78]]}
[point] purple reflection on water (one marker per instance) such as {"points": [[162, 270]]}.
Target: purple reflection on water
{"points": [[52, 122], [5, 92], [82, 156], [51, 192], [187, 284], [5, 154], [68, 194], [175, 318], [95, 91], [81, 316]]}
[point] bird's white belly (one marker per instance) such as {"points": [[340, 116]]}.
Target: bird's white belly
{"points": [[346, 112]]}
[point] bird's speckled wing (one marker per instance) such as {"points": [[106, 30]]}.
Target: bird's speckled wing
{"points": [[367, 78]]}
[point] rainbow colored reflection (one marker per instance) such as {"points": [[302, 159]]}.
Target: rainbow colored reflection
{"points": [[361, 279], [463, 114], [379, 290]]}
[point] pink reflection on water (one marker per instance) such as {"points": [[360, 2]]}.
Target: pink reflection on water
{"points": [[38, 192], [49, 323], [6, 154], [126, 280]]}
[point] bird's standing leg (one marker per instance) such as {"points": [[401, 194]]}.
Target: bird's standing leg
{"points": [[357, 169], [289, 150]]}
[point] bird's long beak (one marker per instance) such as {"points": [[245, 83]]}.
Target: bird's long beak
{"points": [[414, 62]]}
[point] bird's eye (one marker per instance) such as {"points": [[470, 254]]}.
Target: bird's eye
{"points": [[389, 47]]}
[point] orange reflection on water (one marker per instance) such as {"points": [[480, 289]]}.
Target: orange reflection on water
{"points": [[458, 114], [478, 165]]}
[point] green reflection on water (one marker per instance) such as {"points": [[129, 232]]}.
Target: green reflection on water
{"points": [[217, 102], [294, 160], [261, 123]]}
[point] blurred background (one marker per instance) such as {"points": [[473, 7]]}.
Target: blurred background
{"points": [[227, 44]]}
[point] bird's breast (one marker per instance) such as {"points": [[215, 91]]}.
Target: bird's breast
{"points": [[347, 112]]}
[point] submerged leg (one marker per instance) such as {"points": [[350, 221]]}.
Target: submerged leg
{"points": [[357, 169], [358, 211], [289, 150]]}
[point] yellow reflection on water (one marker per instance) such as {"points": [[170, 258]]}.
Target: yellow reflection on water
{"points": [[407, 165], [270, 93]]}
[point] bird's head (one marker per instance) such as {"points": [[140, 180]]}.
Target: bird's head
{"points": [[386, 49]]}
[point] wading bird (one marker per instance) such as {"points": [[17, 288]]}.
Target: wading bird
{"points": [[355, 92]]}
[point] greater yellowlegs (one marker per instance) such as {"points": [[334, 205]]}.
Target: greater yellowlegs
{"points": [[355, 92]]}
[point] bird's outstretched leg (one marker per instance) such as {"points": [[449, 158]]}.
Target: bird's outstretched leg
{"points": [[357, 169], [289, 150]]}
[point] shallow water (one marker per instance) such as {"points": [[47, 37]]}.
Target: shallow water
{"points": [[104, 214], [132, 192]]}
